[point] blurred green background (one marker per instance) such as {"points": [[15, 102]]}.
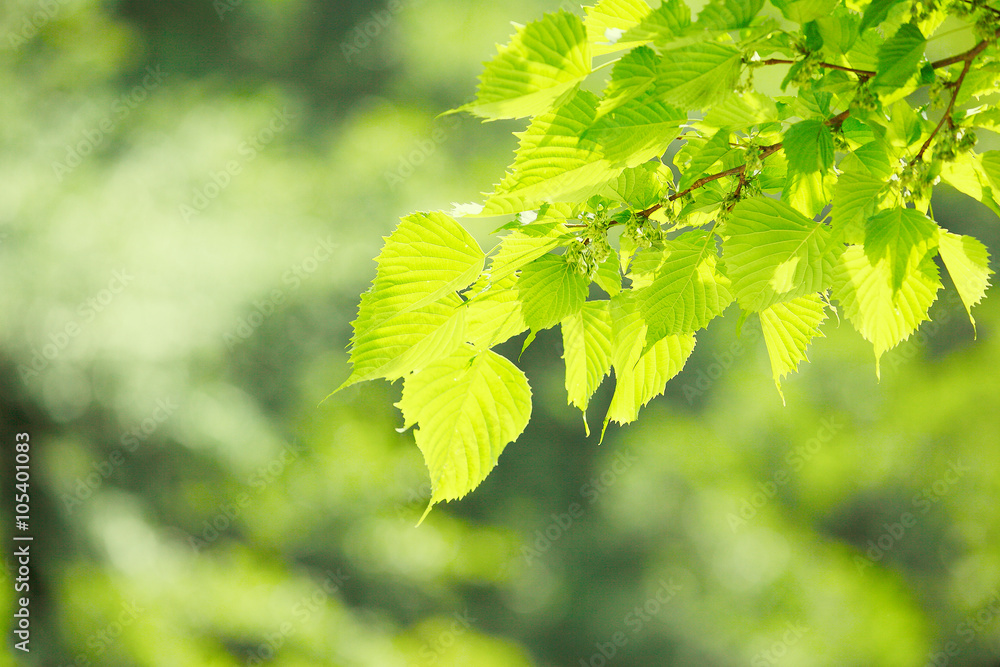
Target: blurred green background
{"points": [[191, 197]]}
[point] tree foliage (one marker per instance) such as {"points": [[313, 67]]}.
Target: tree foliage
{"points": [[680, 190]]}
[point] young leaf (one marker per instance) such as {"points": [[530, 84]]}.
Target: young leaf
{"points": [[633, 74], [700, 75], [809, 147], [587, 351], [728, 14], [553, 163], [635, 386], [884, 316], [773, 253], [804, 11], [543, 62], [662, 25], [550, 289], [875, 13], [468, 407], [494, 315], [428, 257], [854, 200], [788, 329], [687, 292], [637, 131], [899, 57], [900, 236], [967, 262], [608, 20]]}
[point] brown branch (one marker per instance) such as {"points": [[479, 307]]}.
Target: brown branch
{"points": [[860, 72], [957, 86], [765, 151], [967, 56]]}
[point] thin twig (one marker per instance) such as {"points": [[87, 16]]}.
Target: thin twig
{"points": [[860, 72], [957, 86]]}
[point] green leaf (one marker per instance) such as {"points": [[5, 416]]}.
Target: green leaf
{"points": [[543, 62], [902, 237], [854, 201], [587, 351], [899, 58], [550, 289], [688, 290], [608, 20], [637, 131], [875, 13], [494, 314], [729, 14], [884, 316], [427, 258], [608, 277], [521, 247], [773, 253], [635, 386], [740, 111], [632, 75], [552, 162], [662, 25], [641, 186], [804, 11], [467, 408], [808, 146], [968, 264], [788, 329], [707, 157], [699, 75]]}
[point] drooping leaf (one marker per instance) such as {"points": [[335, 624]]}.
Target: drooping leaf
{"points": [[543, 62], [586, 339], [550, 289], [809, 147], [853, 203], [467, 408], [494, 314], [427, 258], [875, 13], [788, 329], [521, 247], [773, 253], [633, 75], [901, 237], [884, 316], [968, 264], [688, 290]]}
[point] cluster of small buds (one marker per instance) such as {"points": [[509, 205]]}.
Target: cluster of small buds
{"points": [[916, 179], [952, 142], [865, 97]]}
